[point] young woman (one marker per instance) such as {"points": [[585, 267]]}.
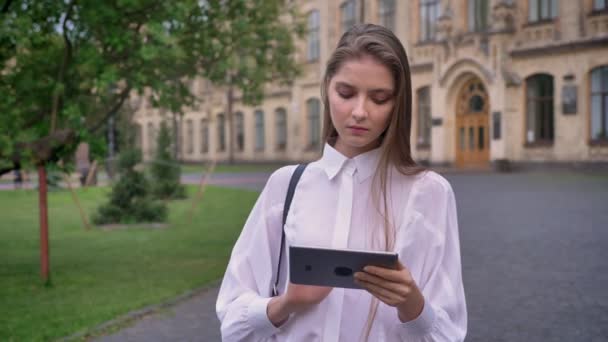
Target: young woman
{"points": [[364, 193]]}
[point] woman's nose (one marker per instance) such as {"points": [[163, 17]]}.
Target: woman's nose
{"points": [[360, 111]]}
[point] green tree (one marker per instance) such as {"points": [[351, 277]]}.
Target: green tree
{"points": [[130, 200], [67, 66], [165, 170]]}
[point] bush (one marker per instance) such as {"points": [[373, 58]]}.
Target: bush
{"points": [[130, 200]]}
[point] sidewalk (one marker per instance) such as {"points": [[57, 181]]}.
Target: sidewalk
{"points": [[193, 319]]}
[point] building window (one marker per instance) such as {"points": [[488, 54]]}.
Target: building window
{"points": [[204, 136], [539, 109], [348, 15], [189, 137], [478, 15], [599, 104], [239, 122], [540, 10], [259, 130], [139, 143], [423, 97], [429, 12], [221, 133], [386, 14], [281, 124], [313, 36], [151, 132], [600, 5], [313, 109]]}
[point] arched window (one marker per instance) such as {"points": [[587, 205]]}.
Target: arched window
{"points": [[239, 123], [599, 104], [423, 96], [313, 111], [541, 10], [259, 130], [348, 14], [221, 133], [281, 128], [189, 137], [151, 133], [139, 138], [386, 14], [429, 12], [600, 5], [204, 136], [539, 109], [478, 15], [313, 52]]}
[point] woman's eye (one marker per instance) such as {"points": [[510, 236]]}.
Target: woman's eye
{"points": [[380, 100], [345, 95]]}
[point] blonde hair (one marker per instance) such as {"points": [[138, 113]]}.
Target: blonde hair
{"points": [[382, 45]]}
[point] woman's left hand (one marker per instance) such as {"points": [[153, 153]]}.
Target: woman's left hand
{"points": [[394, 287]]}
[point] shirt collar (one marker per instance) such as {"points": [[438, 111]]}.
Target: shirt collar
{"points": [[333, 161]]}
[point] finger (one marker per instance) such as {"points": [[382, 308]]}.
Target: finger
{"points": [[399, 288], [386, 292], [382, 294], [383, 299], [398, 276]]}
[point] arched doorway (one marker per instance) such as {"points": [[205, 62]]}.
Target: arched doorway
{"points": [[472, 136]]}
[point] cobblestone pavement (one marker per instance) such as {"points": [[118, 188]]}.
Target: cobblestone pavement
{"points": [[535, 262]]}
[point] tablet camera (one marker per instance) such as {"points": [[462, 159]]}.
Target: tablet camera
{"points": [[343, 271]]}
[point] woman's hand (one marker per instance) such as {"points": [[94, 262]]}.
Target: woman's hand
{"points": [[297, 298], [395, 288]]}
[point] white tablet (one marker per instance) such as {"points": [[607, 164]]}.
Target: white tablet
{"points": [[333, 267]]}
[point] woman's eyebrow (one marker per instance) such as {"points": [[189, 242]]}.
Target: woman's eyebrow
{"points": [[375, 90], [381, 90], [343, 84]]}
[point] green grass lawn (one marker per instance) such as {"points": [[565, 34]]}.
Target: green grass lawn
{"points": [[226, 168], [99, 275]]}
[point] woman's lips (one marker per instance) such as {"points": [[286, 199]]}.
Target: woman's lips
{"points": [[357, 129]]}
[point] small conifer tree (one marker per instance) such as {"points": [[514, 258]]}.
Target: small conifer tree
{"points": [[165, 169], [130, 199]]}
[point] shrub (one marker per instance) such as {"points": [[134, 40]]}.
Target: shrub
{"points": [[130, 200]]}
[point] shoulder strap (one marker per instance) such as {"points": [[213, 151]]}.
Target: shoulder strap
{"points": [[295, 178]]}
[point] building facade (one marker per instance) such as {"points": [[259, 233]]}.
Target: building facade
{"points": [[522, 81]]}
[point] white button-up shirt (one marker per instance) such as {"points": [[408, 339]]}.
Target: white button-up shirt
{"points": [[334, 207]]}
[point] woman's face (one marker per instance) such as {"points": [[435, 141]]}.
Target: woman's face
{"points": [[361, 101]]}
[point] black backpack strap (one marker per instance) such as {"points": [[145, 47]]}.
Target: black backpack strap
{"points": [[295, 178]]}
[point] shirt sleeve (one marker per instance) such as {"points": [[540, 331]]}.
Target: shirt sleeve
{"points": [[432, 234], [245, 290]]}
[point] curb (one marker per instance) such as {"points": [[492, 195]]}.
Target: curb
{"points": [[135, 315]]}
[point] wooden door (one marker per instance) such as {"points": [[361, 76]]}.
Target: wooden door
{"points": [[472, 136]]}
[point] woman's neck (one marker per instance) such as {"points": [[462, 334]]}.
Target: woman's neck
{"points": [[353, 151]]}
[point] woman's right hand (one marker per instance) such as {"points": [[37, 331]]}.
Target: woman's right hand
{"points": [[297, 298]]}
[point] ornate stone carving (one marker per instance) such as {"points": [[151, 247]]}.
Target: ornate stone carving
{"points": [[444, 25], [503, 15]]}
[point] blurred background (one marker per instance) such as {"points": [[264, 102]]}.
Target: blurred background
{"points": [[135, 136]]}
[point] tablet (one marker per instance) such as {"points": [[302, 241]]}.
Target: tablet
{"points": [[333, 267]]}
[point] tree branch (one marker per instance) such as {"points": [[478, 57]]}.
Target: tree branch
{"points": [[7, 4], [121, 99], [67, 55], [43, 150]]}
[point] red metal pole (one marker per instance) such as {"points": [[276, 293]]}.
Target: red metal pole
{"points": [[44, 224]]}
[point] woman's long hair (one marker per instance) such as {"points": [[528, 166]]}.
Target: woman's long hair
{"points": [[382, 45]]}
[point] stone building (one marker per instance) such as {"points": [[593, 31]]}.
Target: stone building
{"points": [[523, 81]]}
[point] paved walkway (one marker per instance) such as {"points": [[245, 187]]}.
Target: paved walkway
{"points": [[192, 320], [535, 263]]}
